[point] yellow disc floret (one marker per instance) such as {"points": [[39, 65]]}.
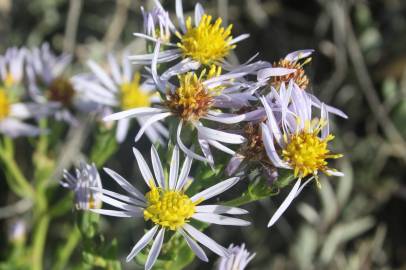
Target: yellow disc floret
{"points": [[307, 153], [132, 95], [168, 208], [207, 42], [299, 76], [191, 100], [4, 104]]}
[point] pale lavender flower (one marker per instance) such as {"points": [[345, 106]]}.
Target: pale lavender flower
{"points": [[168, 207], [12, 66], [157, 24], [210, 95], [200, 40], [295, 140], [49, 85], [18, 231], [290, 69], [238, 259], [12, 111], [120, 88], [86, 178]]}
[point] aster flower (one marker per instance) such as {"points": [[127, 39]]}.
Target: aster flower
{"points": [[290, 69], [157, 24], [122, 89], [169, 208], [238, 260], [49, 85], [301, 141], [18, 231], [87, 177], [193, 98], [12, 66], [12, 111], [200, 39]]}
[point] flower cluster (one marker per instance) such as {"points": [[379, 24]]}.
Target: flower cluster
{"points": [[260, 113], [192, 103]]}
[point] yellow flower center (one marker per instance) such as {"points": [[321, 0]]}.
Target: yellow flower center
{"points": [[206, 42], [168, 208], [132, 95], [9, 80], [191, 100], [307, 153], [299, 76], [4, 104], [61, 90]]}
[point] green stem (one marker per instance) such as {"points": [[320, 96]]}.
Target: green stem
{"points": [[6, 155], [242, 200], [67, 250], [40, 235]]}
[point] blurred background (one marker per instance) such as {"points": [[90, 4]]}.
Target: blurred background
{"points": [[356, 222]]}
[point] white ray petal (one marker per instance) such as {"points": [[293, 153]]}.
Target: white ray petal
{"points": [[115, 69], [199, 11], [125, 184], [216, 189], [335, 173], [132, 113], [116, 213], [157, 166], [238, 39], [194, 246], [174, 169], [221, 136], [149, 122], [184, 172], [122, 129], [155, 249], [220, 209], [142, 243], [221, 147], [180, 16], [102, 75], [324, 116], [124, 198], [285, 204], [121, 205], [273, 125], [183, 66], [154, 69], [296, 55], [265, 73], [144, 169], [184, 148], [270, 148], [141, 35], [219, 219], [206, 241]]}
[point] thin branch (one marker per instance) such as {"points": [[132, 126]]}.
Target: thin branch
{"points": [[370, 93], [75, 8], [15, 209], [117, 24]]}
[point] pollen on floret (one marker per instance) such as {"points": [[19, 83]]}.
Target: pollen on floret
{"points": [[4, 104], [170, 209], [207, 42], [307, 153], [191, 100], [61, 90], [299, 76], [132, 95]]}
